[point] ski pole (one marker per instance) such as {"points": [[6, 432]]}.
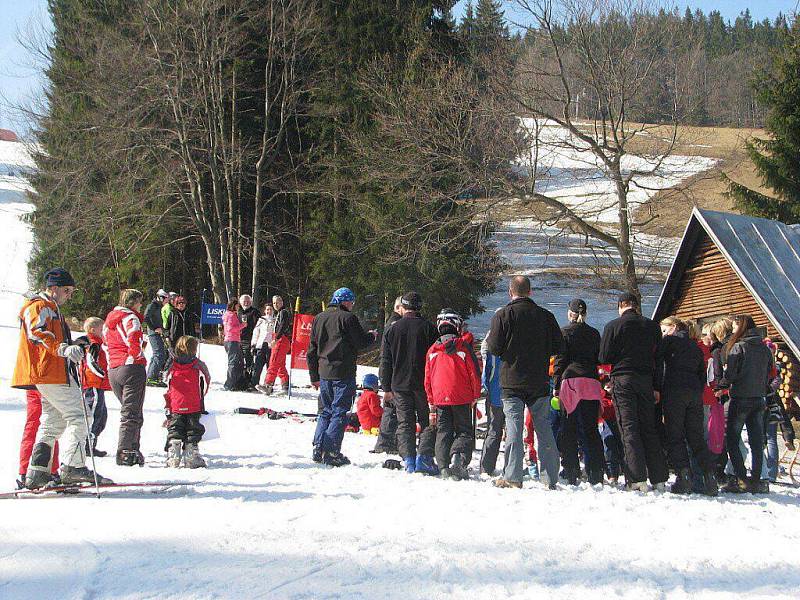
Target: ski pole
{"points": [[89, 434]]}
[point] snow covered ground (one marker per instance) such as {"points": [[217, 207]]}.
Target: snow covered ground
{"points": [[264, 521]]}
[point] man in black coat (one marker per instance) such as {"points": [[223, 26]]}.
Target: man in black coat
{"points": [[402, 375], [155, 331], [629, 344], [525, 336], [387, 437], [336, 338], [248, 314]]}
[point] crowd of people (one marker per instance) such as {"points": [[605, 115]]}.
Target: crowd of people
{"points": [[637, 401]]}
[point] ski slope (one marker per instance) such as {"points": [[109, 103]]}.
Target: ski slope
{"points": [[264, 521]]}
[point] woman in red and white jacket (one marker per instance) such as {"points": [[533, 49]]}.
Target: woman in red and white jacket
{"points": [[453, 385], [122, 341]]}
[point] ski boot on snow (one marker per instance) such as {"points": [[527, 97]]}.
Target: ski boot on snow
{"points": [[191, 457], [265, 389], [174, 454], [735, 485], [335, 459], [37, 479], [425, 465], [683, 483], [285, 389], [533, 470], [504, 483], [130, 458], [458, 468], [76, 475], [410, 463], [317, 455], [710, 485], [756, 485], [637, 486]]}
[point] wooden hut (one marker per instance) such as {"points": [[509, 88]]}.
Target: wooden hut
{"points": [[733, 264]]}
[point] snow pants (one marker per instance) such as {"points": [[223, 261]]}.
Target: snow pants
{"points": [[454, 433], [128, 383], [186, 428], [62, 406], [635, 406], [586, 412], [495, 424], [387, 437], [336, 396], [159, 358], [683, 421], [612, 443], [514, 408], [277, 363], [260, 360], [233, 381], [95, 400], [34, 415], [412, 408]]}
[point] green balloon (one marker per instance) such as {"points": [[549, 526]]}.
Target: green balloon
{"points": [[555, 403]]}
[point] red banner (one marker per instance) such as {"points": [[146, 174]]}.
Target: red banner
{"points": [[301, 337]]}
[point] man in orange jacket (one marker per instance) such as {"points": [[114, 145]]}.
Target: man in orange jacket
{"points": [[46, 361]]}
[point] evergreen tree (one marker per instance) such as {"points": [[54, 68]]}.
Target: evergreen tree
{"points": [[777, 157]]}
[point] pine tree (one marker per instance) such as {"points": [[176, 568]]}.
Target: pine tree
{"points": [[777, 157], [490, 29]]}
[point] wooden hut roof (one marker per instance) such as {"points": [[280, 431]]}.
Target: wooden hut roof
{"points": [[764, 254]]}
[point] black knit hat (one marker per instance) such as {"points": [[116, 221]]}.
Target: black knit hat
{"points": [[58, 276]]}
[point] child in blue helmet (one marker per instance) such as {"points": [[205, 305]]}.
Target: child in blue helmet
{"points": [[369, 405]]}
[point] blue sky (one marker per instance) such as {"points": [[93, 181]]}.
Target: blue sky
{"points": [[20, 77]]}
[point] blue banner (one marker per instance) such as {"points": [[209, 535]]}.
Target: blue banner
{"points": [[211, 314]]}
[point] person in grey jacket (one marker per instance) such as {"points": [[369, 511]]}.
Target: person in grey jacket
{"points": [[748, 363]]}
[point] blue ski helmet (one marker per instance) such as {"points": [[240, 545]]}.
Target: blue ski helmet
{"points": [[370, 381], [343, 295]]}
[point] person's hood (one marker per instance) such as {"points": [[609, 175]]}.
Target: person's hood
{"points": [[448, 342]]}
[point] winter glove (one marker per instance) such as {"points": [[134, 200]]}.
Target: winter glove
{"points": [[71, 353]]}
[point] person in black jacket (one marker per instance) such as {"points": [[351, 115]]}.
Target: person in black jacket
{"points": [[575, 373], [248, 314], [402, 375], [525, 336], [387, 436], [279, 348], [748, 364], [681, 382], [629, 344], [155, 331], [180, 322], [336, 338]]}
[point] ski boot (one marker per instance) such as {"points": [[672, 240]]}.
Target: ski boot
{"points": [[94, 451], [458, 470], [410, 463], [533, 471], [637, 486], [506, 484], [756, 485], [174, 454], [735, 485], [129, 458], [445, 473], [20, 482], [710, 485], [660, 487], [683, 483], [317, 454], [76, 475], [37, 479], [191, 456], [285, 389], [425, 465], [392, 464], [156, 383], [335, 459], [265, 389]]}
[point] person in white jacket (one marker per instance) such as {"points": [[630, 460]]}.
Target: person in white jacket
{"points": [[259, 344]]}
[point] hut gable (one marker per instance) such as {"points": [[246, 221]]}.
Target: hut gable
{"points": [[730, 264]]}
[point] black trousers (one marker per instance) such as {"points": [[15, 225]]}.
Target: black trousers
{"points": [[495, 424], [749, 412], [260, 361], [454, 433], [186, 428], [587, 412], [128, 383], [635, 406], [387, 438], [412, 408], [247, 355], [683, 422]]}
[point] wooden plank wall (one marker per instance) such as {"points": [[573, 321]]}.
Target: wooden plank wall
{"points": [[709, 288]]}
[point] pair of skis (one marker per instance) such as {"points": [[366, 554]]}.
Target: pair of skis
{"points": [[274, 414], [157, 487]]}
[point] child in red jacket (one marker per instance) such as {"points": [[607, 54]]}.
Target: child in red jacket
{"points": [[187, 378], [369, 405], [453, 385], [94, 380]]}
